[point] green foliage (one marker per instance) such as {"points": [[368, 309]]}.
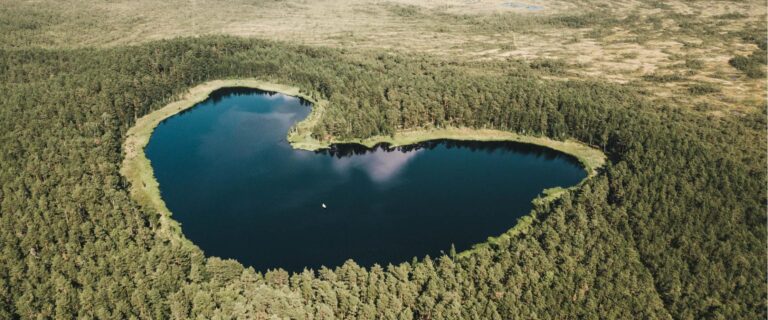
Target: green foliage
{"points": [[553, 66], [694, 64], [22, 27], [703, 88], [673, 227], [584, 20], [731, 16], [664, 77], [755, 64], [407, 11]]}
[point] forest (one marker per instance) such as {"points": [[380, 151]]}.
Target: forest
{"points": [[673, 227]]}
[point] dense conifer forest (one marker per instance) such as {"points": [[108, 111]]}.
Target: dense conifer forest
{"points": [[674, 226]]}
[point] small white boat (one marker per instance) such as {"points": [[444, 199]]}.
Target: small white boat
{"points": [[323, 205]]}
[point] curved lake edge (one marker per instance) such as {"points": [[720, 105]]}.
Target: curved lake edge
{"points": [[145, 189]]}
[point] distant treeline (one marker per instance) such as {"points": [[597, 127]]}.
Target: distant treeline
{"points": [[673, 227]]}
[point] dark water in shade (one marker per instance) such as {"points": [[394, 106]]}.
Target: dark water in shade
{"points": [[240, 191]]}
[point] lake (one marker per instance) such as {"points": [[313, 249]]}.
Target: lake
{"points": [[240, 191]]}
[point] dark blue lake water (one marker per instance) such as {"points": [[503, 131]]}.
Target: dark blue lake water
{"points": [[240, 191]]}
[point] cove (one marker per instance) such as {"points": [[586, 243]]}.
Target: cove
{"points": [[239, 190]]}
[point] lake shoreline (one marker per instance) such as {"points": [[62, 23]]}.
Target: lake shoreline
{"points": [[590, 159], [136, 167], [144, 188]]}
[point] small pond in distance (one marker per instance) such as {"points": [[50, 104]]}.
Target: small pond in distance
{"points": [[240, 191]]}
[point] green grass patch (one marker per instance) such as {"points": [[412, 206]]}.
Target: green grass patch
{"points": [[703, 88]]}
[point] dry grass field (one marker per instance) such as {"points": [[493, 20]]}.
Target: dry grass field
{"points": [[667, 48]]}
